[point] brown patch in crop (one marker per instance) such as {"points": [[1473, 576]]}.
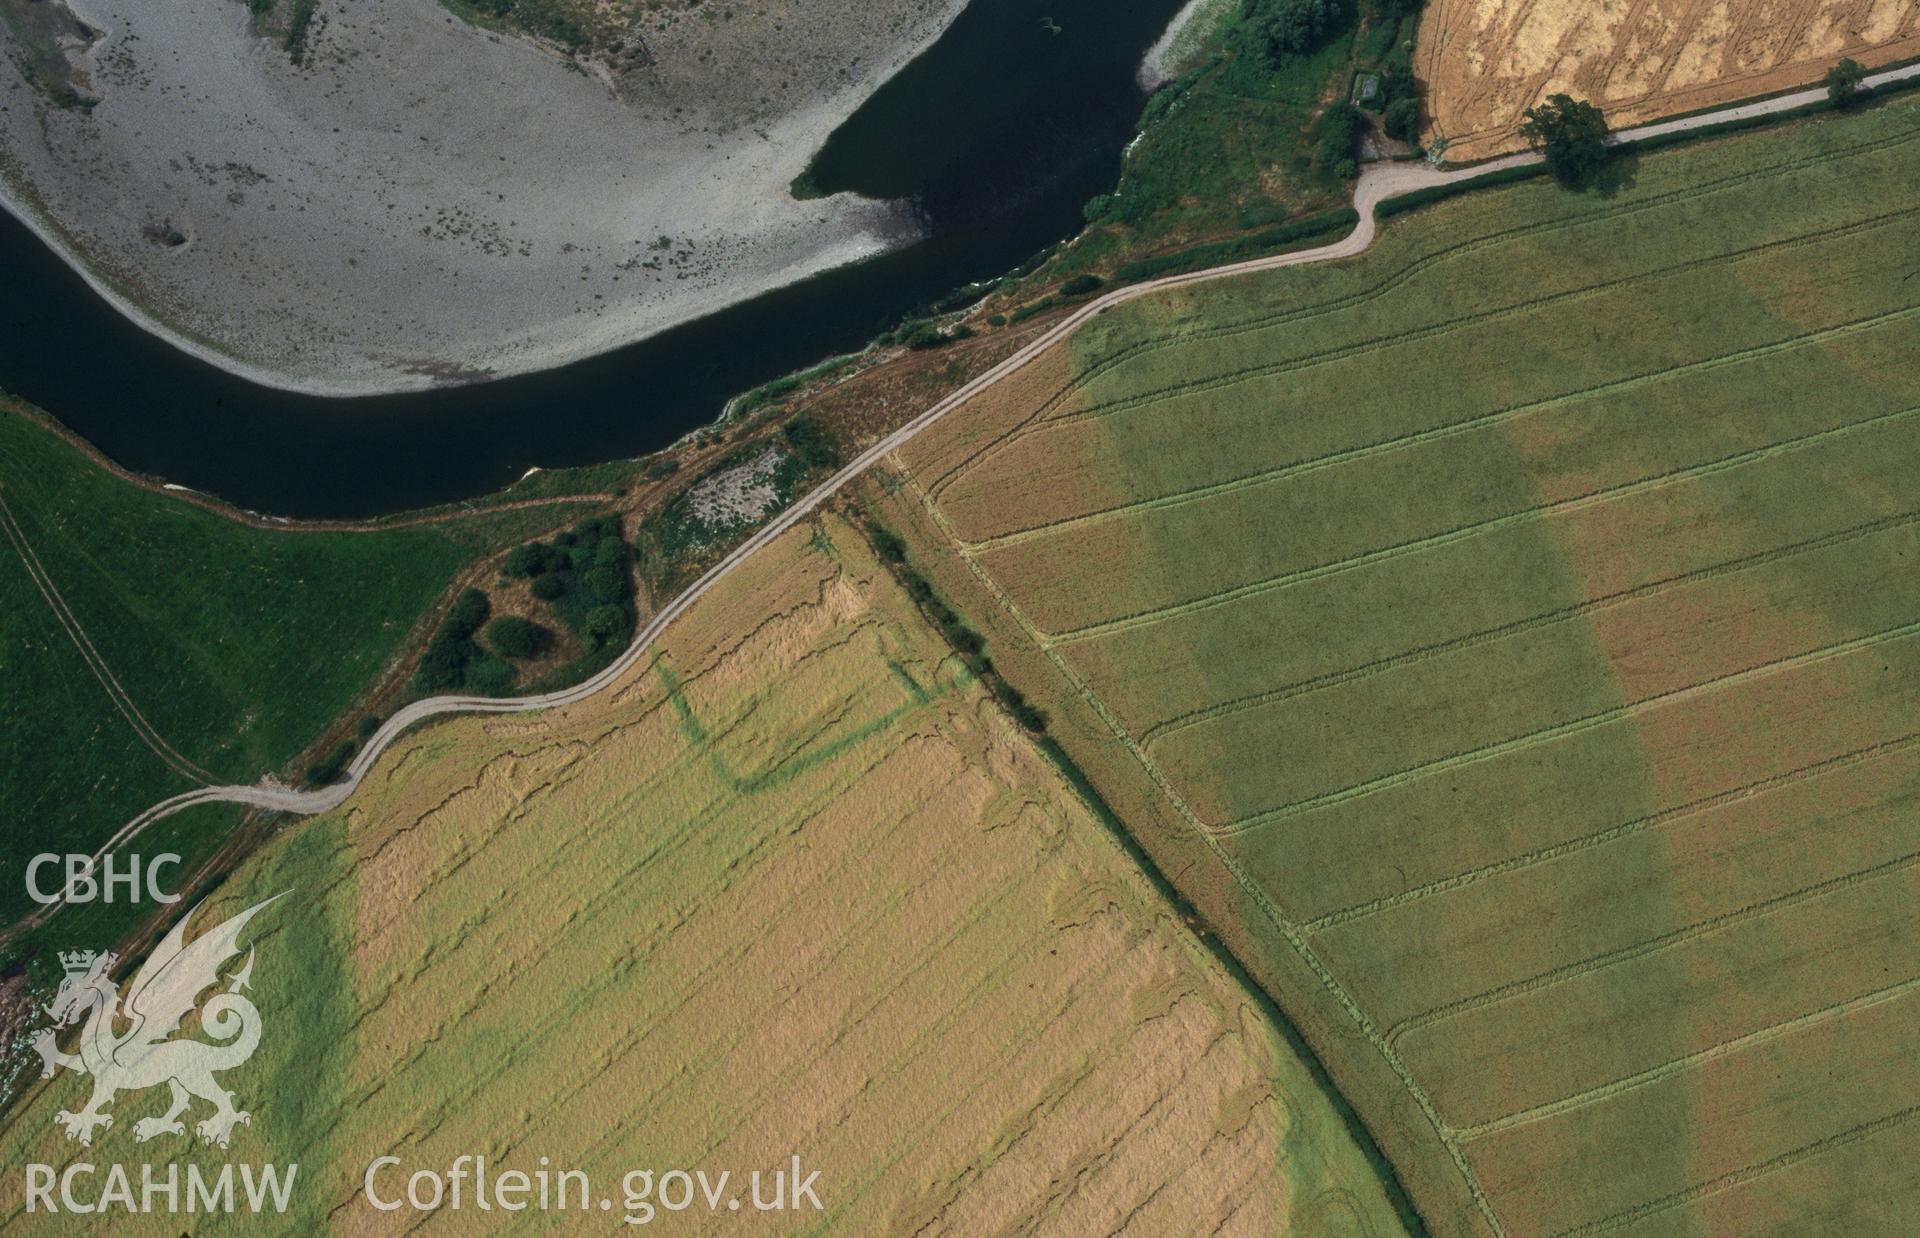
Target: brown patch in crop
{"points": [[987, 422], [1486, 61]]}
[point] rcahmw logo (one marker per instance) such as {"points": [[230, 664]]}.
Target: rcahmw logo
{"points": [[160, 997]]}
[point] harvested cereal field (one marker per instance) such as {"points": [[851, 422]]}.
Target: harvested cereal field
{"points": [[1484, 62], [1546, 741], [798, 886]]}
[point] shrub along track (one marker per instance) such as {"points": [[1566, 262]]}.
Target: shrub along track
{"points": [[1377, 184]]}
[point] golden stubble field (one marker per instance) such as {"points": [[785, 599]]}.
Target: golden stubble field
{"points": [[797, 887], [1484, 62]]}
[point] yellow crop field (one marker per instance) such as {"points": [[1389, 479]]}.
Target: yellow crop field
{"points": [[1509, 641], [1484, 62], [795, 888]]}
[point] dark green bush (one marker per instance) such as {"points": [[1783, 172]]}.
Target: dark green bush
{"points": [[489, 676], [809, 445], [1081, 285], [329, 768], [1340, 128], [1280, 29], [470, 610], [1402, 119], [529, 560], [549, 587], [513, 637], [605, 624]]}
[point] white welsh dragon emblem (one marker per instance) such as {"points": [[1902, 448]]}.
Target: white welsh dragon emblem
{"points": [[160, 997]]}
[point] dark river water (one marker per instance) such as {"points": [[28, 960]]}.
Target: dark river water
{"points": [[999, 132]]}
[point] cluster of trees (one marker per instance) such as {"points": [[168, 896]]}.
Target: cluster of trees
{"points": [[584, 575], [454, 658], [1340, 128], [1279, 29]]}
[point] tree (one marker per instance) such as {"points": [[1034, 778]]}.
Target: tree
{"points": [[489, 676], [549, 587], [514, 637], [1284, 28], [1340, 127], [1574, 135], [608, 582], [530, 559], [1402, 119], [1844, 81], [604, 623]]}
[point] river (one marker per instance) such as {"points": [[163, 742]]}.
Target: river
{"points": [[999, 132]]}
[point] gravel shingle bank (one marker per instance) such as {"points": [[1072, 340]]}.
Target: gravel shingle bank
{"points": [[421, 201]]}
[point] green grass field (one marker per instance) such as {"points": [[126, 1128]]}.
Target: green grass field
{"points": [[1513, 635], [231, 647]]}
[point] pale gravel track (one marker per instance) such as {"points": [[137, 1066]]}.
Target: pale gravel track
{"points": [[1377, 183]]}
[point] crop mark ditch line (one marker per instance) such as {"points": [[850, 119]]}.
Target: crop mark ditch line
{"points": [[1361, 348], [95, 661], [1281, 923], [1416, 267], [1389, 446], [1740, 1177], [1651, 946], [791, 766], [1726, 1048], [1657, 820], [1575, 726], [1545, 511], [1580, 610]]}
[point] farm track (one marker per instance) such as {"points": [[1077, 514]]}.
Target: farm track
{"points": [[1437, 433], [1393, 281], [1375, 186], [70, 624]]}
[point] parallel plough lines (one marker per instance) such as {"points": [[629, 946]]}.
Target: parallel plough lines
{"points": [[1599, 838], [1741, 1177], [1256, 894], [1576, 726], [1649, 946], [1084, 377], [1517, 309], [1545, 511], [1653, 1074], [1388, 446], [1581, 610]]}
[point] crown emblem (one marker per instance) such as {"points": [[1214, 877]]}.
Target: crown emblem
{"points": [[79, 962]]}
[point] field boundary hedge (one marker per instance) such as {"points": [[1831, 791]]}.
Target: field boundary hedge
{"points": [[1219, 253]]}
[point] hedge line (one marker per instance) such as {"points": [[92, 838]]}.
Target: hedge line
{"points": [[1220, 252], [1434, 193]]}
